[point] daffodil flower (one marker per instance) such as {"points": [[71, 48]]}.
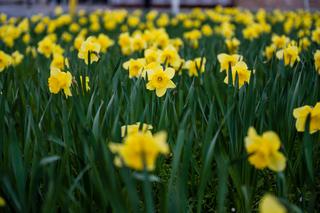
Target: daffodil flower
{"points": [[289, 54], [134, 66], [264, 150], [301, 115], [140, 150], [5, 60], [227, 61], [59, 80], [92, 46], [270, 204], [317, 61], [160, 80], [193, 66], [240, 69]]}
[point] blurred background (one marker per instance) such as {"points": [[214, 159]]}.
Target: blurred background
{"points": [[25, 7]]}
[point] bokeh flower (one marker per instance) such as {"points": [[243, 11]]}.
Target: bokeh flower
{"points": [[140, 150], [264, 150], [5, 60], [134, 128], [195, 66], [2, 202], [270, 204], [316, 57], [134, 66]]}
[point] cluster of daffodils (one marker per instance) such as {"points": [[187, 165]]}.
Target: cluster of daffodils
{"points": [[140, 148], [161, 59], [7, 60], [160, 49], [147, 33], [48, 46], [239, 69], [285, 49], [151, 38]]}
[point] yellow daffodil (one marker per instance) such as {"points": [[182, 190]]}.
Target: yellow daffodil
{"points": [[138, 43], [192, 37], [176, 43], [316, 57], [58, 61], [163, 20], [301, 115], [280, 42], [74, 27], [206, 30], [17, 58], [26, 38], [67, 37], [31, 51], [78, 41], [264, 150], [232, 45], [39, 28], [125, 42], [140, 150], [134, 128], [152, 55], [161, 39], [304, 43], [46, 46], [105, 42], [90, 45], [170, 57], [59, 80], [57, 49], [226, 29], [195, 66], [269, 51], [240, 69], [227, 61], [5, 60], [289, 54], [134, 66], [133, 21], [316, 35], [270, 204], [151, 15], [160, 80], [251, 32]]}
